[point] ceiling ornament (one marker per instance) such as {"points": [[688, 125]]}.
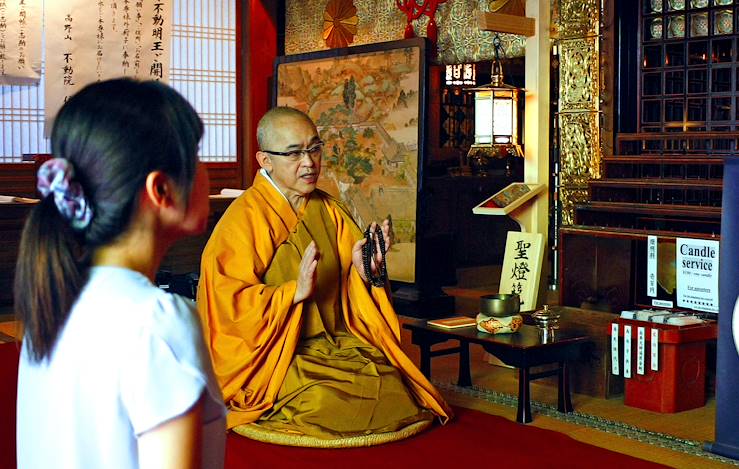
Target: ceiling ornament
{"points": [[340, 23]]}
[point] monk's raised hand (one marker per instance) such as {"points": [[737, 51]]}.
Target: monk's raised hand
{"points": [[306, 282], [377, 259]]}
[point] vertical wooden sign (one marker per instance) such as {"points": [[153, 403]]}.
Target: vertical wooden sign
{"points": [[524, 253]]}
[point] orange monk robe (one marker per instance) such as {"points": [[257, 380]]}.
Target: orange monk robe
{"points": [[252, 329]]}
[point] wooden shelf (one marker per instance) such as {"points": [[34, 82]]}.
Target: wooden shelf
{"points": [[652, 209], [658, 182], [678, 158]]}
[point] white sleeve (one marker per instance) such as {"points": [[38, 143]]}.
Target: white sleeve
{"points": [[168, 368]]}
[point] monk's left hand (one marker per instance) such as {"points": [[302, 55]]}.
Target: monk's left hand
{"points": [[377, 259]]}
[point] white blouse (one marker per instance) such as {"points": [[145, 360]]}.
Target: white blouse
{"points": [[129, 358]]}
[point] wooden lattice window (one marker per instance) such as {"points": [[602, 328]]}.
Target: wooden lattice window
{"points": [[689, 79]]}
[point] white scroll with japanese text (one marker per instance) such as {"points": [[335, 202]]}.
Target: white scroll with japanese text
{"points": [[93, 40], [20, 42], [524, 253]]}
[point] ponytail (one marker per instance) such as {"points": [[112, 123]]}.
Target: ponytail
{"points": [[49, 276], [106, 139]]}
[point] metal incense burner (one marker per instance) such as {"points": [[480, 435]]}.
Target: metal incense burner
{"points": [[547, 321]]}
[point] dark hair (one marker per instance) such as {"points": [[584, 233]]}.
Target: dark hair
{"points": [[114, 133]]}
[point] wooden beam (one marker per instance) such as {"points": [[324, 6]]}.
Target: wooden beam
{"points": [[502, 23]]}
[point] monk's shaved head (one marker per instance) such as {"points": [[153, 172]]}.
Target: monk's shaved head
{"points": [[272, 119]]}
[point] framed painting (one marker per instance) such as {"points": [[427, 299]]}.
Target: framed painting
{"points": [[369, 104]]}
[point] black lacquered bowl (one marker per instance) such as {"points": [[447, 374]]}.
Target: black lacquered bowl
{"points": [[500, 305]]}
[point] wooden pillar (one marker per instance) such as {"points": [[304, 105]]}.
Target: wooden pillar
{"points": [[534, 217], [259, 38]]}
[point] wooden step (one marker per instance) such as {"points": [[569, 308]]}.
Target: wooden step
{"points": [[652, 209], [632, 233], [646, 217], [663, 158], [658, 183], [635, 137]]}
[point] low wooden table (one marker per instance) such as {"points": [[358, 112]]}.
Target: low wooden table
{"points": [[522, 350]]}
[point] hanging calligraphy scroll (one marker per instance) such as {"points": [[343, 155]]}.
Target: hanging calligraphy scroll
{"points": [[88, 41], [524, 253], [20, 42]]}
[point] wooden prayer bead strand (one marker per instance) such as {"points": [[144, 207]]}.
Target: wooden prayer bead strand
{"points": [[368, 252]]}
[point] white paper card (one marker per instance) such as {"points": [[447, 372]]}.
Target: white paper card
{"points": [[627, 351], [640, 350], [662, 303], [652, 266], [697, 274], [654, 362], [614, 349]]}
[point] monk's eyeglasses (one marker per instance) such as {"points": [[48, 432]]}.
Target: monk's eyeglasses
{"points": [[295, 155]]}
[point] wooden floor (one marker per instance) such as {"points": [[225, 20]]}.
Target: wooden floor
{"points": [[697, 424]]}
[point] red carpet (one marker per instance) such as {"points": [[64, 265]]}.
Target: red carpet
{"points": [[472, 439], [8, 386]]}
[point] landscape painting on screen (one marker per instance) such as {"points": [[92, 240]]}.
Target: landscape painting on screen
{"points": [[366, 107]]}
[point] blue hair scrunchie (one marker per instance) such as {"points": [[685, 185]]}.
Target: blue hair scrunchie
{"points": [[55, 176]]}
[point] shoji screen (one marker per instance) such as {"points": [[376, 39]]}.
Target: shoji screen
{"points": [[204, 70]]}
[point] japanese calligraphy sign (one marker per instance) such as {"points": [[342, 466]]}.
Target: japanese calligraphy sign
{"points": [[93, 40], [652, 265], [20, 42], [524, 253]]}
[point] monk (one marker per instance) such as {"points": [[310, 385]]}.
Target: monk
{"points": [[300, 340]]}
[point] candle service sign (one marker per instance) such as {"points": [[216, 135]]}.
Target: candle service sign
{"points": [[697, 274]]}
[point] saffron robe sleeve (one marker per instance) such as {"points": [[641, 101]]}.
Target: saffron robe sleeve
{"points": [[369, 315], [252, 329]]}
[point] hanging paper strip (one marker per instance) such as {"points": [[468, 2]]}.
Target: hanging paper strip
{"points": [[20, 42], [88, 41]]}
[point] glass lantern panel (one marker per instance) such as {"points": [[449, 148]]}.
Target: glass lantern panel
{"points": [[502, 120], [483, 118]]}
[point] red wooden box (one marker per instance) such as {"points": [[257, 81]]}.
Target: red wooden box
{"points": [[680, 382]]}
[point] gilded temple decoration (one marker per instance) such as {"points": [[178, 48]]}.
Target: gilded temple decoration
{"points": [[575, 196], [579, 18], [459, 37], [579, 74], [579, 135], [339, 23], [579, 117]]}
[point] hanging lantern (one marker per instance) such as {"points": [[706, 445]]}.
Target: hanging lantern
{"points": [[496, 119]]}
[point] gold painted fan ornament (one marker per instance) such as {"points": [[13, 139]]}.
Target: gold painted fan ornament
{"points": [[339, 23]]}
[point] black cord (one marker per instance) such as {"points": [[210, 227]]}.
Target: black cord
{"points": [[369, 251]]}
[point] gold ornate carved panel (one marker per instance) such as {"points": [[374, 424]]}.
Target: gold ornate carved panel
{"points": [[580, 140], [575, 195], [580, 100], [578, 18], [579, 83]]}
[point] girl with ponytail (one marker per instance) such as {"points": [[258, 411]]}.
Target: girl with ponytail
{"points": [[113, 370]]}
